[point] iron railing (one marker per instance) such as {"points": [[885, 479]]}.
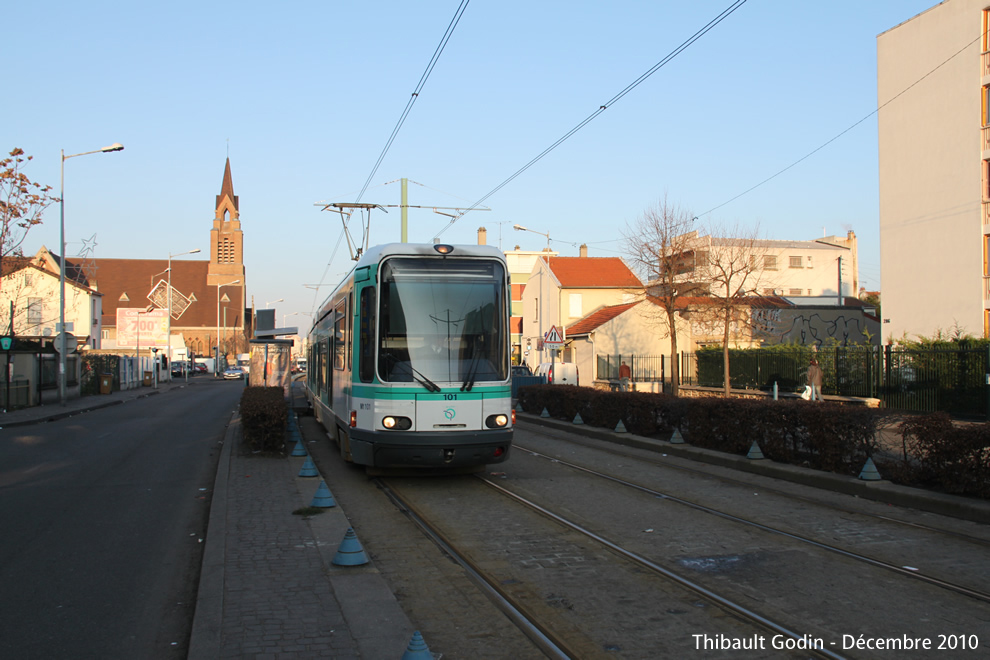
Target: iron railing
{"points": [[954, 380]]}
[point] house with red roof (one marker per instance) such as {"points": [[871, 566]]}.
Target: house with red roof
{"points": [[563, 290]]}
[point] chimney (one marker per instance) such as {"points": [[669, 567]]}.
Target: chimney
{"points": [[584, 250], [482, 236]]}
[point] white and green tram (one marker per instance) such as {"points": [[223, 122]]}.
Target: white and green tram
{"points": [[408, 359]]}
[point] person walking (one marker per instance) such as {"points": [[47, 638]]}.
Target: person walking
{"points": [[815, 380], [625, 374]]}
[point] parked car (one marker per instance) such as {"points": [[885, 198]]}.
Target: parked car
{"points": [[559, 373], [233, 373], [200, 368], [521, 370]]}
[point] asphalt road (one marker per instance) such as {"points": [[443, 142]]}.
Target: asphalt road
{"points": [[102, 517]]}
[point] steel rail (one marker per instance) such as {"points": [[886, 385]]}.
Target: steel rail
{"points": [[965, 591], [656, 568], [541, 637], [560, 435]]}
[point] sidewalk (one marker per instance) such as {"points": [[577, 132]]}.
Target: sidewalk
{"points": [[268, 588], [74, 406]]}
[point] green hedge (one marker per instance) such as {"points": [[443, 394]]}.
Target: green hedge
{"points": [[264, 414], [936, 453], [954, 458]]}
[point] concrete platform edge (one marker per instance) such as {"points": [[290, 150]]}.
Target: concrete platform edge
{"points": [[880, 491]]}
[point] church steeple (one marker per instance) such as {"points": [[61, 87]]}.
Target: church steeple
{"points": [[226, 238], [227, 192]]}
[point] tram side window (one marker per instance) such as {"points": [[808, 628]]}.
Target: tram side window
{"points": [[339, 335], [366, 331]]}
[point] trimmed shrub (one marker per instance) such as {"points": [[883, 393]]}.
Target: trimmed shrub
{"points": [[264, 415], [949, 457]]}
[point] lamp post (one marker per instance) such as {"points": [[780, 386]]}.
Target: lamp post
{"points": [[539, 312], [532, 231], [169, 354], [116, 146], [216, 361], [269, 304]]}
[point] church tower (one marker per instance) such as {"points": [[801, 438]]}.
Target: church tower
{"points": [[226, 237]]}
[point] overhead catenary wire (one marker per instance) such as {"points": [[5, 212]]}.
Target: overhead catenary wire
{"points": [[416, 92], [836, 137], [631, 86]]}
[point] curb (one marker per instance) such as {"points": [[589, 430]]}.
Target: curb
{"points": [[878, 491]]}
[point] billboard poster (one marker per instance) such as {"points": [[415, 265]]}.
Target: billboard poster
{"points": [[271, 364], [136, 326]]}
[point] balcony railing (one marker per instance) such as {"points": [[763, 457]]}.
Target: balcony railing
{"points": [[985, 63], [986, 290]]}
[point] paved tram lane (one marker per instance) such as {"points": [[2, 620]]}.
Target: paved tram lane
{"points": [[103, 516]]}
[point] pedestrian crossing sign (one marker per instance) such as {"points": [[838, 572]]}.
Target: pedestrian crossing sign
{"points": [[553, 338]]}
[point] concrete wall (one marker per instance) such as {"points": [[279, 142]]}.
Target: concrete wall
{"points": [[931, 251]]}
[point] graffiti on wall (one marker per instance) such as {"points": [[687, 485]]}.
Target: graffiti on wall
{"points": [[807, 327]]}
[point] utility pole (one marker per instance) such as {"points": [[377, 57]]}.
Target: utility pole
{"points": [[405, 210], [840, 281]]}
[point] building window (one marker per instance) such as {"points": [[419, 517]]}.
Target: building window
{"points": [[796, 262], [575, 305], [770, 262], [34, 310], [225, 251], [985, 109]]}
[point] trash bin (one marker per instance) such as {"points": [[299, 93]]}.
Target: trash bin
{"points": [[147, 379], [106, 383]]}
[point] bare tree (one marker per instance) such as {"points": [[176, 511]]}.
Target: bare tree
{"points": [[661, 247], [739, 264], [22, 203]]}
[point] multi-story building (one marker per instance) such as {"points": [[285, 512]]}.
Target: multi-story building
{"points": [[827, 266], [933, 91]]}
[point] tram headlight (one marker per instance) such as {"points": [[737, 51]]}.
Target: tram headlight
{"points": [[443, 248], [497, 421], [396, 423]]}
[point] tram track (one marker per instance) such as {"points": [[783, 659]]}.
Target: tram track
{"points": [[541, 632], [708, 473], [900, 570]]}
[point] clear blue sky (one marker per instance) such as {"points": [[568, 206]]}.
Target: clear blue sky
{"points": [[304, 95]]}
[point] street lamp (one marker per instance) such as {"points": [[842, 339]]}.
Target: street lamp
{"points": [[216, 360], [116, 146], [170, 306], [532, 231], [269, 304]]}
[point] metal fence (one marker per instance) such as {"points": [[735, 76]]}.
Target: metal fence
{"points": [[952, 379]]}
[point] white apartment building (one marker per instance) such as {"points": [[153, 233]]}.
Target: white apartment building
{"points": [[933, 90], [828, 266]]}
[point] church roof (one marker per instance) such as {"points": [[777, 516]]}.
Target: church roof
{"points": [[127, 283], [227, 189]]}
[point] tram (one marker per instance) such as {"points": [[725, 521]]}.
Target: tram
{"points": [[408, 359]]}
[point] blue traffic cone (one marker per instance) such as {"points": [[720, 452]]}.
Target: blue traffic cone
{"points": [[545, 413], [323, 498], [755, 453], [350, 552], [870, 472], [620, 427], [417, 649], [309, 468], [677, 438], [577, 419], [299, 449]]}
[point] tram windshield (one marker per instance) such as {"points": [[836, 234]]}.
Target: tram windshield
{"points": [[442, 320]]}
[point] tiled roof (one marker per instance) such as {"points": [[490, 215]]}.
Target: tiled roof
{"points": [[136, 277], [593, 272], [598, 318]]}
